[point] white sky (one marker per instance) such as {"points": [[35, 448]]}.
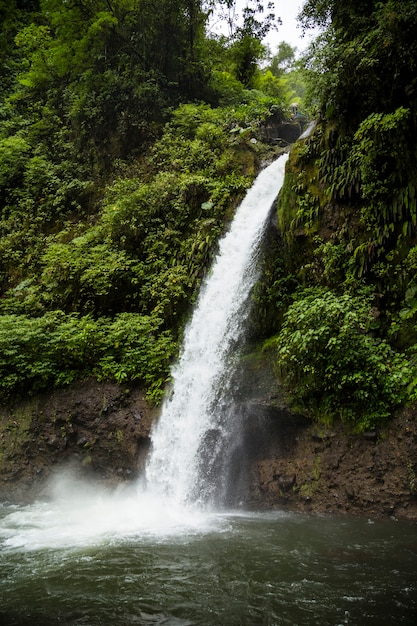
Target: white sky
{"points": [[289, 31]]}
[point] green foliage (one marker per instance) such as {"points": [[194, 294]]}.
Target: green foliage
{"points": [[283, 60], [228, 88], [84, 275], [135, 348], [136, 266], [281, 88], [363, 63], [334, 263], [58, 349], [273, 292], [107, 72], [300, 203], [245, 53], [385, 162], [373, 170], [31, 357], [332, 364], [347, 215], [402, 328], [13, 157], [246, 48]]}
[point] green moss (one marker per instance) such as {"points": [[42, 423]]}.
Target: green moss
{"points": [[306, 490], [87, 460], [316, 469], [412, 479], [15, 432]]}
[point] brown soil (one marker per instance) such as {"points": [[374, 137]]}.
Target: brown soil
{"points": [[327, 471], [100, 429]]}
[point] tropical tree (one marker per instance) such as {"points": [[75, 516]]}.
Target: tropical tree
{"points": [[246, 30], [364, 62], [283, 60]]}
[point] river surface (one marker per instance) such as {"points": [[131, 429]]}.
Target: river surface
{"points": [[120, 559]]}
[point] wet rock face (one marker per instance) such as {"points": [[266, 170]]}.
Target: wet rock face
{"points": [[331, 471], [282, 131], [296, 464], [101, 429]]}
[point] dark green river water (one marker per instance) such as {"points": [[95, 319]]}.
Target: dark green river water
{"points": [[69, 566]]}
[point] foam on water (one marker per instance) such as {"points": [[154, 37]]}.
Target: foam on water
{"points": [[80, 514]]}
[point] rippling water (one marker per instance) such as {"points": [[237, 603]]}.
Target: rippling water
{"points": [[115, 559]]}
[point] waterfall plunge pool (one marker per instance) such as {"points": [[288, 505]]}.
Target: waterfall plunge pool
{"points": [[89, 557]]}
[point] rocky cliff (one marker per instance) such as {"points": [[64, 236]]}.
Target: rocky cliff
{"points": [[102, 431], [99, 429]]}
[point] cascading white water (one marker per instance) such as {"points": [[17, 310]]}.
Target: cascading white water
{"points": [[190, 419]]}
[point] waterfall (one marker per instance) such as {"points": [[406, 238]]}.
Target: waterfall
{"points": [[192, 429]]}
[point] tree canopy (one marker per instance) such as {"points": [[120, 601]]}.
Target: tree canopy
{"points": [[124, 145]]}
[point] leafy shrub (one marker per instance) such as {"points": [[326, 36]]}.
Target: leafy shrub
{"points": [[333, 366], [228, 88], [85, 275], [38, 352], [57, 349], [135, 348], [13, 157]]}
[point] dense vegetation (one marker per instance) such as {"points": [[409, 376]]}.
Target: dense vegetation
{"points": [[126, 140], [124, 147], [348, 343]]}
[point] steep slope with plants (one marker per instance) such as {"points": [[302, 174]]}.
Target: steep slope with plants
{"points": [[346, 325], [127, 137]]}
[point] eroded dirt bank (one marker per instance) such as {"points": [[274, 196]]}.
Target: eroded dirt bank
{"points": [[103, 431], [327, 470], [99, 429]]}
